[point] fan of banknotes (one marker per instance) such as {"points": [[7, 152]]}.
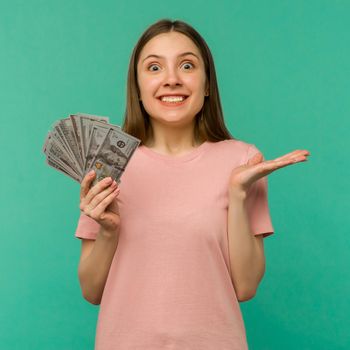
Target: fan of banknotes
{"points": [[84, 142]]}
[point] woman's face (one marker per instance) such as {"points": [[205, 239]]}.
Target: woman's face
{"points": [[171, 65]]}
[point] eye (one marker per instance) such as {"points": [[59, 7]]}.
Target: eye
{"points": [[188, 64], [153, 65]]}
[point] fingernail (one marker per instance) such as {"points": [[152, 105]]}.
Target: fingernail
{"points": [[114, 185], [90, 172]]}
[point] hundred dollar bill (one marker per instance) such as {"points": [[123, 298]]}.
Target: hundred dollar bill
{"points": [[68, 133], [75, 123], [58, 134], [83, 123], [52, 147], [82, 141], [54, 163], [98, 133], [56, 151], [96, 138], [113, 155]]}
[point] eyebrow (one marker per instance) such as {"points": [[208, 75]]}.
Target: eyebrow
{"points": [[181, 55]]}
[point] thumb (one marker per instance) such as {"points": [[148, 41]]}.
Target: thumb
{"points": [[256, 159], [114, 207]]}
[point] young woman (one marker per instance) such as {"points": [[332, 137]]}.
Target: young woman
{"points": [[170, 252]]}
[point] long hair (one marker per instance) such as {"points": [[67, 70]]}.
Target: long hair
{"points": [[209, 121]]}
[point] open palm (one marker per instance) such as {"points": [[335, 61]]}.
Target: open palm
{"points": [[245, 175]]}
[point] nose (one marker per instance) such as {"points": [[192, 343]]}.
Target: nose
{"points": [[172, 77]]}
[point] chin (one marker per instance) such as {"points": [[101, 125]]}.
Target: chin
{"points": [[173, 121]]}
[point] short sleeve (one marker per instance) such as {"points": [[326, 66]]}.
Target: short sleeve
{"points": [[257, 202], [87, 227]]}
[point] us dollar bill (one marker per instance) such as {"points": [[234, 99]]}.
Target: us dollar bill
{"points": [[54, 149], [67, 129], [58, 134], [113, 155], [84, 122], [77, 132], [97, 136], [82, 142], [54, 163], [99, 131]]}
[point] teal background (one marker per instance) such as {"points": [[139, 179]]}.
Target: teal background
{"points": [[283, 72]]}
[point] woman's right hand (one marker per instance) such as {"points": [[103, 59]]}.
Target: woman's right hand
{"points": [[99, 202]]}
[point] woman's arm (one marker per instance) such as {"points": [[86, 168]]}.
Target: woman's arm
{"points": [[100, 204], [95, 262], [247, 259]]}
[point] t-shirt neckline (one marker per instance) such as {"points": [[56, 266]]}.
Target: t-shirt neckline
{"points": [[175, 159]]}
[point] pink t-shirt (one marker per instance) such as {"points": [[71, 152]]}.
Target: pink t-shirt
{"points": [[169, 284]]}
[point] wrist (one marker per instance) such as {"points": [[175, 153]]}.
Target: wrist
{"points": [[109, 234], [238, 194]]}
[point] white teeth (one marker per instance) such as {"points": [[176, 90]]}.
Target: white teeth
{"points": [[172, 98]]}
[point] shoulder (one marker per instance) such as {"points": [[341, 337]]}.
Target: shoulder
{"points": [[235, 148]]}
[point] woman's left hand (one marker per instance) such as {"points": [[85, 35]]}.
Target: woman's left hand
{"points": [[245, 175]]}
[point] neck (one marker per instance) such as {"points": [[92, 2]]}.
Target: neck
{"points": [[172, 140]]}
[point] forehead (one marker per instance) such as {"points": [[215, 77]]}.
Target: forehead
{"points": [[169, 44]]}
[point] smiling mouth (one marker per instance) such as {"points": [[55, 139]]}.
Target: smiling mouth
{"points": [[172, 100]]}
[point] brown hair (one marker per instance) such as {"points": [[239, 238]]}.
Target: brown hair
{"points": [[209, 124]]}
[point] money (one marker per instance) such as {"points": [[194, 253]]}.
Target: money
{"points": [[84, 142]]}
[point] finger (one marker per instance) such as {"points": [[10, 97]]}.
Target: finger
{"points": [[257, 158], [85, 184], [269, 166], [114, 207], [283, 163], [288, 155], [102, 195], [297, 158], [100, 186], [293, 154], [99, 211]]}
